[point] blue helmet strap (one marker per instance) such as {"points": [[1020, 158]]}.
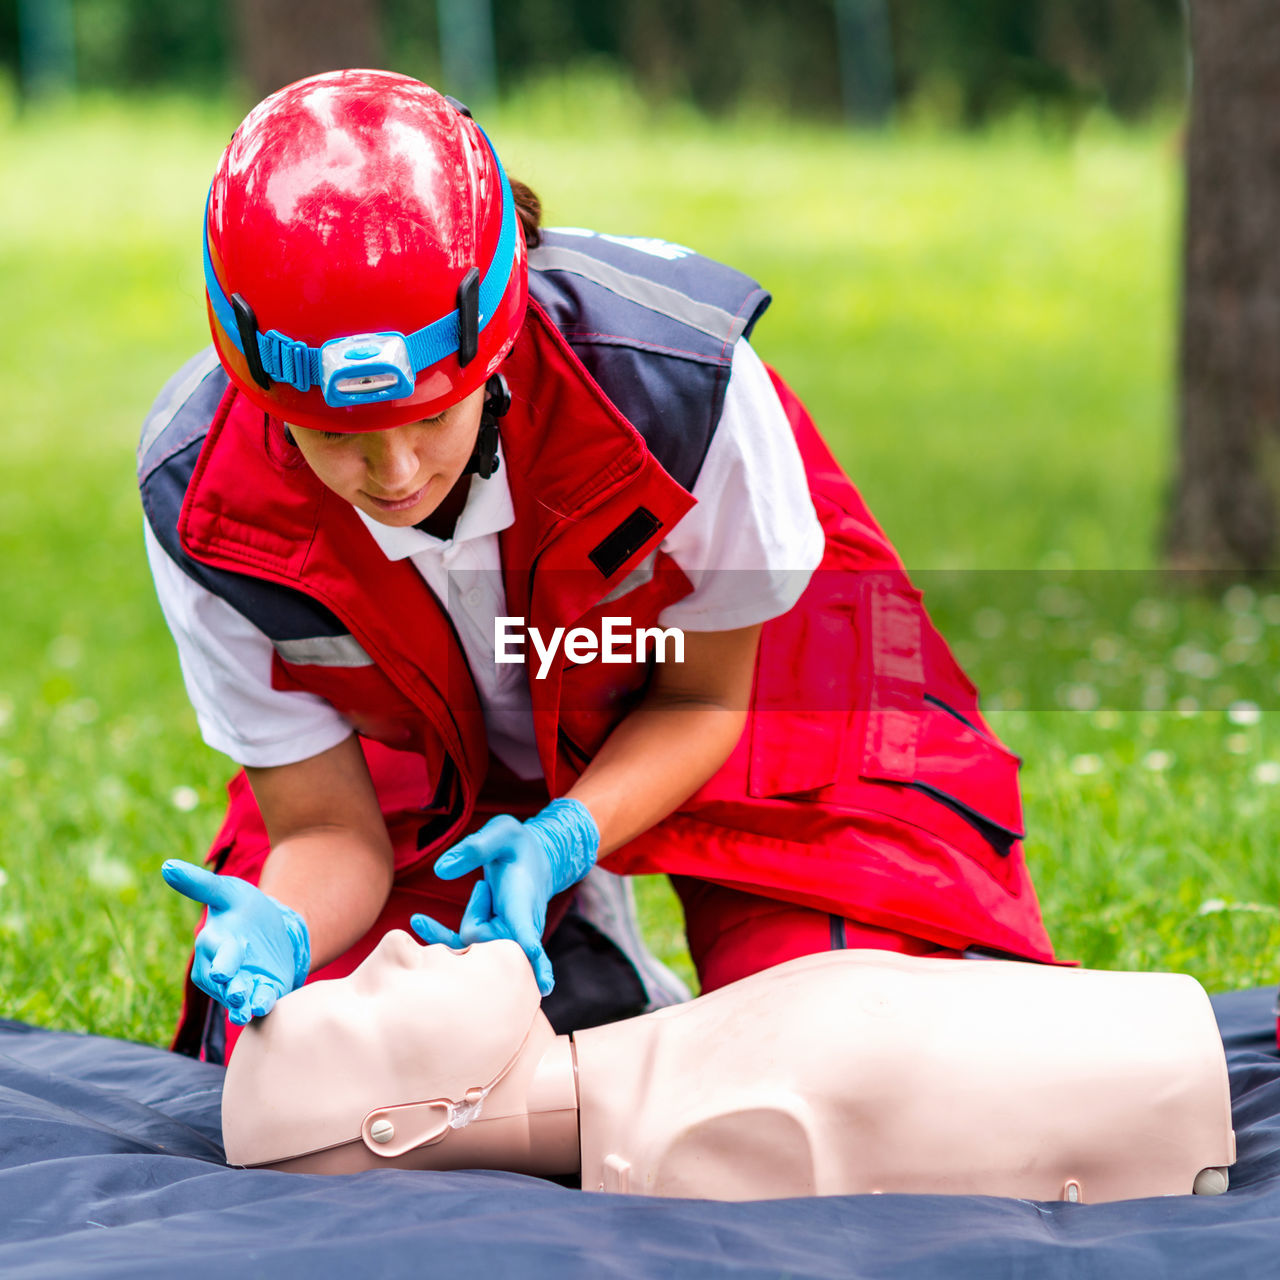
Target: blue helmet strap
{"points": [[370, 367]]}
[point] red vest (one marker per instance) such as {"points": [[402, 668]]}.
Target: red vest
{"points": [[865, 784]]}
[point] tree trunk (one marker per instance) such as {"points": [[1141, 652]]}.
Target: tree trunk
{"points": [[283, 40], [1224, 512]]}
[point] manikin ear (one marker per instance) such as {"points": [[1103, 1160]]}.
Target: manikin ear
{"points": [[391, 1131]]}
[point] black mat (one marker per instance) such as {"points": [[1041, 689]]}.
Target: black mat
{"points": [[110, 1166]]}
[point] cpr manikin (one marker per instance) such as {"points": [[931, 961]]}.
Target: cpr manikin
{"points": [[850, 1071]]}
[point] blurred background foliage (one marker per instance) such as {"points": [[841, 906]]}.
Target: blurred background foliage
{"points": [[962, 62], [979, 304]]}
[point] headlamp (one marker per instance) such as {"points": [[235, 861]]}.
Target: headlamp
{"points": [[365, 369]]}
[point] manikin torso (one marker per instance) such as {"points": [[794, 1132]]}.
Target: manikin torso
{"points": [[851, 1071]]}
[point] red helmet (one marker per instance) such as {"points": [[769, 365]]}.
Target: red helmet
{"points": [[364, 262]]}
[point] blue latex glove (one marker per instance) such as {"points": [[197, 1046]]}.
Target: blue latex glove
{"points": [[252, 949], [525, 865]]}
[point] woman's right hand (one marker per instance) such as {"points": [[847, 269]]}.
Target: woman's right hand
{"points": [[252, 949], [525, 864]]}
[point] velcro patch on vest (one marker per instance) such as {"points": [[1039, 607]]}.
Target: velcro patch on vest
{"points": [[615, 550]]}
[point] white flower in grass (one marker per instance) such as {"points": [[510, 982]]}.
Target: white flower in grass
{"points": [[1186, 707], [1106, 718], [1155, 697], [1215, 906], [1157, 761], [1244, 713], [110, 874], [4, 877], [184, 799], [72, 715], [6, 712], [1237, 652], [1195, 662], [1057, 601], [1246, 629], [1078, 697], [1220, 697], [1237, 743], [1151, 615], [988, 623], [1267, 774], [1056, 561], [65, 652], [1106, 649], [1239, 599], [1087, 764]]}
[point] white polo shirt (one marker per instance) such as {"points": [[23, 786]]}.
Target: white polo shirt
{"points": [[749, 547]]}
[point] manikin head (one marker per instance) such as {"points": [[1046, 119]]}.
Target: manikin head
{"points": [[413, 1024]]}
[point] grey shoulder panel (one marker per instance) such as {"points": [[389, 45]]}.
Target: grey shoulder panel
{"points": [[186, 402], [725, 326], [172, 437], [655, 325]]}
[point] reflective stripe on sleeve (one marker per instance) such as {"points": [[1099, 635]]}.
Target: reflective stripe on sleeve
{"points": [[323, 651]]}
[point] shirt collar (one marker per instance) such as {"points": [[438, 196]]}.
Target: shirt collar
{"points": [[488, 510]]}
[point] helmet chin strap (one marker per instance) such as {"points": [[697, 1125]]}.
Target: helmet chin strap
{"points": [[484, 457]]}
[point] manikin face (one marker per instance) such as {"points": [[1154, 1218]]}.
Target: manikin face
{"points": [[404, 981], [413, 1023], [399, 476]]}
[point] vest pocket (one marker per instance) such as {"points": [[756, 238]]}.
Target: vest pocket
{"points": [[972, 773], [870, 732], [962, 781], [805, 691], [969, 773]]}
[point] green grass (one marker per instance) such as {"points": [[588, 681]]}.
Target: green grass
{"points": [[982, 326]]}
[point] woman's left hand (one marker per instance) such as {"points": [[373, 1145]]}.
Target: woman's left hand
{"points": [[525, 865]]}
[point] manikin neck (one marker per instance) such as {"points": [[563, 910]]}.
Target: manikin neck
{"points": [[527, 1122]]}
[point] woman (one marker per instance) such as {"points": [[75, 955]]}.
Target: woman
{"points": [[421, 456]]}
